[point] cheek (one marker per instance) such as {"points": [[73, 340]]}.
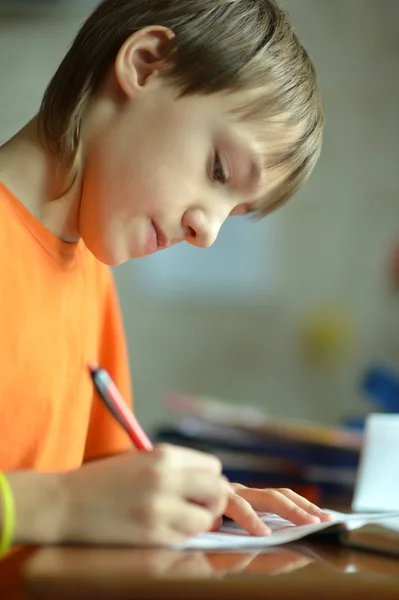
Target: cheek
{"points": [[137, 169], [106, 213]]}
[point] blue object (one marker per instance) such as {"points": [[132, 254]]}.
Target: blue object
{"points": [[382, 387], [355, 423]]}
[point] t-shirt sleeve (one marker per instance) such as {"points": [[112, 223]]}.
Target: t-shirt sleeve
{"points": [[105, 436]]}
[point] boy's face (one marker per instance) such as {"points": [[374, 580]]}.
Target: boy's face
{"points": [[159, 170]]}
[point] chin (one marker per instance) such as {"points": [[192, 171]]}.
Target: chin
{"points": [[111, 256]]}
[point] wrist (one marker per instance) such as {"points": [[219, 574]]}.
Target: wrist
{"points": [[40, 507]]}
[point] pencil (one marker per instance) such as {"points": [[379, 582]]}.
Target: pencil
{"points": [[112, 398]]}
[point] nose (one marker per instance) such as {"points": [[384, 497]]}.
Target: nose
{"points": [[201, 229]]}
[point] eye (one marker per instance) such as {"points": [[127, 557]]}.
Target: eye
{"points": [[218, 172]]}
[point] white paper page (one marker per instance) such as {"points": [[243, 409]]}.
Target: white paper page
{"points": [[377, 486], [391, 524], [231, 537]]}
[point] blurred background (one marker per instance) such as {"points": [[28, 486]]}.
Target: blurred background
{"points": [[286, 315]]}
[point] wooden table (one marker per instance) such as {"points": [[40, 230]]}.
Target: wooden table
{"points": [[309, 571]]}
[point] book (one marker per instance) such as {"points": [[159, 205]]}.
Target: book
{"points": [[373, 537], [255, 421]]}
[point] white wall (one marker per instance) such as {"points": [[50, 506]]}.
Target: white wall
{"points": [[332, 241]]}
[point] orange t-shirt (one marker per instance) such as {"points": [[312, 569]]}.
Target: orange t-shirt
{"points": [[58, 311]]}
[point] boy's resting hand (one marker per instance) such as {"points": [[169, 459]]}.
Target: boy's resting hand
{"points": [[243, 502]]}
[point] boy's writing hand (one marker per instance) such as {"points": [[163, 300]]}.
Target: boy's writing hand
{"points": [[157, 498], [243, 503]]}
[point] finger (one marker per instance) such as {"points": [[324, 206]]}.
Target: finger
{"points": [[307, 506], [189, 519], [203, 488], [273, 500], [261, 501], [186, 459], [244, 515], [217, 524]]}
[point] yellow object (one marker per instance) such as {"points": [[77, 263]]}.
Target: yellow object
{"points": [[7, 534], [327, 337]]}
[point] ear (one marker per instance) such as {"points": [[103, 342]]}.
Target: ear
{"points": [[143, 54]]}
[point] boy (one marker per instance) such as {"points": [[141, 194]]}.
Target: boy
{"points": [[165, 118]]}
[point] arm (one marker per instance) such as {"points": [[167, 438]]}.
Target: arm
{"points": [[159, 497], [40, 509]]}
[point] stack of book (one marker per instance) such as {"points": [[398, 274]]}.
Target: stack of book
{"points": [[317, 461]]}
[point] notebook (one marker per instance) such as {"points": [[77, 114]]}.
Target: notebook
{"points": [[233, 538]]}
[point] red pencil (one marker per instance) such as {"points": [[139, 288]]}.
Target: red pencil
{"points": [[113, 400]]}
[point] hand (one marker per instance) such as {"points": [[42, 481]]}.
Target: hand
{"points": [[157, 498], [243, 503]]}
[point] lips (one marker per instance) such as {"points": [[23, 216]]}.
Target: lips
{"points": [[156, 239], [163, 241]]}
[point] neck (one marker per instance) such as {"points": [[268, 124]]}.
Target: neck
{"points": [[34, 175]]}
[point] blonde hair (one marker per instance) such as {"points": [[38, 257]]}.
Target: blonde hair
{"points": [[219, 45]]}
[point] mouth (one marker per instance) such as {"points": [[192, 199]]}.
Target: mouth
{"points": [[156, 240], [162, 239]]}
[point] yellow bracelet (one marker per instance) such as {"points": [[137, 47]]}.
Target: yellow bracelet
{"points": [[7, 534]]}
